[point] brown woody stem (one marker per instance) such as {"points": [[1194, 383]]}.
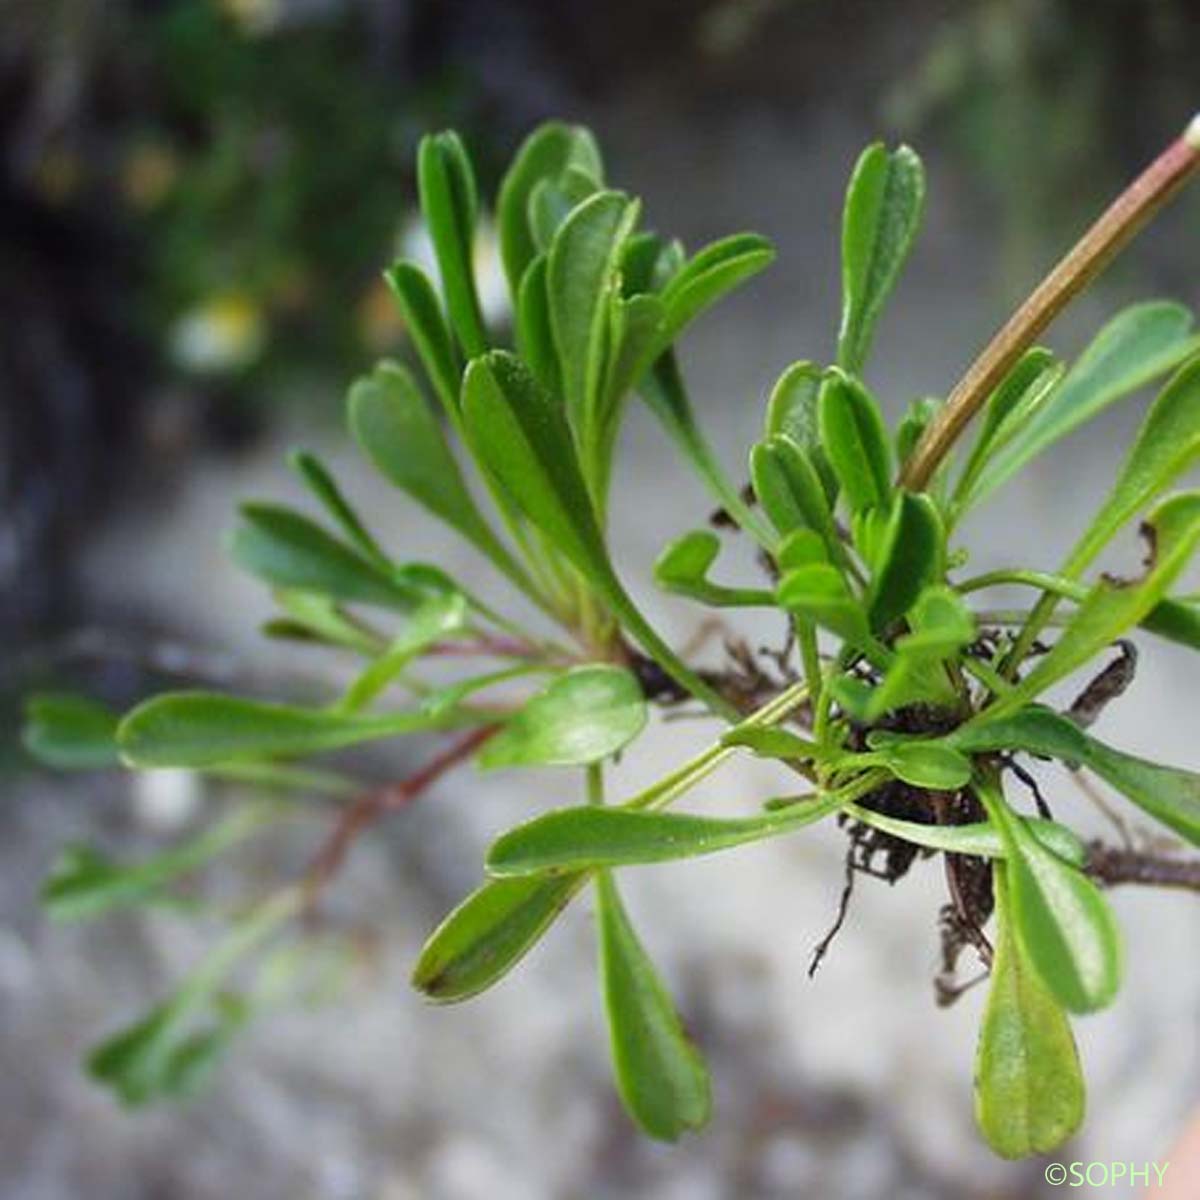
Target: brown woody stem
{"points": [[1113, 865], [1124, 218]]}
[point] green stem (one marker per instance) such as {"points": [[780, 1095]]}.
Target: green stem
{"points": [[1008, 616], [1059, 585], [986, 674], [595, 783], [810, 658], [254, 929], [631, 616], [703, 764]]}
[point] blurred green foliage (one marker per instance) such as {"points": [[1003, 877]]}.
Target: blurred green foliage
{"points": [[259, 158], [1051, 103]]}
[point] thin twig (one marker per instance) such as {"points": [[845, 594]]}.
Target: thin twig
{"points": [[1124, 218], [373, 805], [1113, 865]]}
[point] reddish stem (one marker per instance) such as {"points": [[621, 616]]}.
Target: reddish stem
{"points": [[371, 806]]}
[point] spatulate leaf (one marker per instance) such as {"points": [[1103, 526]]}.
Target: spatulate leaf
{"points": [[488, 934], [856, 442], [583, 716], [198, 729], [574, 839], [290, 551], [659, 1073], [883, 212], [1029, 1091], [1135, 347], [1063, 923], [70, 733]]}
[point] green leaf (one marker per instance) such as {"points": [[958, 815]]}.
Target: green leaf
{"points": [[1063, 923], [792, 405], [792, 413], [1113, 606], [583, 716], [882, 214], [488, 934], [523, 437], [801, 548], [446, 699], [545, 154], [1135, 347], [856, 442], [396, 429], [980, 838], [769, 742], [1169, 794], [683, 568], [429, 332], [940, 627], [290, 551], [71, 733], [535, 335], [1024, 387], [200, 729], [581, 276], [169, 1051], [926, 764], [710, 274], [1178, 620], [632, 337], [819, 593], [574, 839], [323, 486], [313, 617], [641, 262], [940, 623], [912, 556], [1029, 1091], [518, 430], [450, 202], [160, 1057], [437, 618], [553, 200], [635, 324], [659, 1073], [789, 488], [1167, 444], [917, 418], [84, 884]]}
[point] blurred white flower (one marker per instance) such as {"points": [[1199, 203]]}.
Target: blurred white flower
{"points": [[225, 333], [166, 800], [415, 244]]}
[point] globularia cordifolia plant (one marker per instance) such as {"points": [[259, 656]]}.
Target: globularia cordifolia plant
{"points": [[901, 707]]}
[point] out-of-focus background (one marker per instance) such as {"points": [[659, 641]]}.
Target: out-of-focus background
{"points": [[196, 200]]}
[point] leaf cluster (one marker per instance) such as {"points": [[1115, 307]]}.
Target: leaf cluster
{"points": [[897, 683]]}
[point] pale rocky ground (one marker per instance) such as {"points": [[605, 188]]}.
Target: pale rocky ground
{"points": [[851, 1086]]}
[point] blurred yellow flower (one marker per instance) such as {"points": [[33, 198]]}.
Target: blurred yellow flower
{"points": [[254, 16], [225, 333]]}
